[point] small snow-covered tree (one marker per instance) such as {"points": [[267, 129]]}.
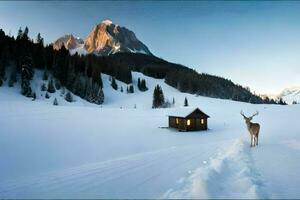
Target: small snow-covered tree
{"points": [[69, 97], [186, 103], [114, 83], [130, 89], [47, 96], [33, 96], [43, 87], [51, 88], [55, 102], [57, 84]]}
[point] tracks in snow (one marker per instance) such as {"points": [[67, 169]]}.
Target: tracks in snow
{"points": [[141, 175], [229, 175]]}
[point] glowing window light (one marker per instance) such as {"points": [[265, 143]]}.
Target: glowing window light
{"points": [[188, 122], [177, 121], [202, 121]]}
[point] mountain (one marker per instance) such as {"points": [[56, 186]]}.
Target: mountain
{"points": [[69, 41], [290, 94], [106, 38]]}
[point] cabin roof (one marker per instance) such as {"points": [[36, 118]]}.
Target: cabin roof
{"points": [[185, 111]]}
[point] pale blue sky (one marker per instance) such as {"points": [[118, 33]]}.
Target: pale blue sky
{"points": [[255, 44]]}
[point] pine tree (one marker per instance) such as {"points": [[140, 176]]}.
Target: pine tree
{"points": [[158, 97], [39, 39], [2, 73], [47, 96], [281, 102], [143, 85], [161, 96], [45, 75], [186, 103], [57, 84], [51, 88], [69, 97], [63, 91], [55, 102], [114, 84], [173, 101], [121, 89], [20, 33], [25, 33], [139, 84], [33, 96], [100, 96], [43, 87], [130, 89], [26, 75]]}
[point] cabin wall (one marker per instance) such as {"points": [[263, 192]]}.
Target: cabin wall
{"points": [[195, 123]]}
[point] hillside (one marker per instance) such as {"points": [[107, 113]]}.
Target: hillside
{"points": [[118, 149], [79, 73]]}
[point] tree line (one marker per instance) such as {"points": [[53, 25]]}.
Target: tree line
{"points": [[81, 74]]}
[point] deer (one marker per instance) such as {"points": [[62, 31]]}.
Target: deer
{"points": [[253, 128]]}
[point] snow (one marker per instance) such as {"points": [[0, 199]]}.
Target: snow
{"points": [[107, 22], [137, 51], [182, 111], [289, 94], [82, 150], [80, 50]]}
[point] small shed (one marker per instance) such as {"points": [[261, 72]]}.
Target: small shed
{"points": [[188, 119]]}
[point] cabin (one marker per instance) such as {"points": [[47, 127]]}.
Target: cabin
{"points": [[187, 119]]}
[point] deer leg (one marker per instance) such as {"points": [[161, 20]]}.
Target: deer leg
{"points": [[251, 141], [257, 140]]}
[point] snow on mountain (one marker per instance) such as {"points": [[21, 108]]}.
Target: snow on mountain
{"points": [[106, 38], [289, 95], [122, 149], [69, 41]]}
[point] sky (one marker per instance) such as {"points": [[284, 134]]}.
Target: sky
{"points": [[253, 43]]}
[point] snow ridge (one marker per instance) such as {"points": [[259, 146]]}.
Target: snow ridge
{"points": [[229, 175]]}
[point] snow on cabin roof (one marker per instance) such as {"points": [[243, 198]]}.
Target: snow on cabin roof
{"points": [[183, 112]]}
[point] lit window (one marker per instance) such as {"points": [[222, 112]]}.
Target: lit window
{"points": [[177, 121], [188, 122], [202, 121]]}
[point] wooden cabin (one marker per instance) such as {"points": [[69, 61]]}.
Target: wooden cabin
{"points": [[187, 119]]}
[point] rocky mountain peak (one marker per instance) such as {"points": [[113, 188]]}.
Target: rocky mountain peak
{"points": [[69, 41]]}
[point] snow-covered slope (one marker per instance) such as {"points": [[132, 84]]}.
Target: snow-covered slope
{"points": [[290, 95], [82, 150]]}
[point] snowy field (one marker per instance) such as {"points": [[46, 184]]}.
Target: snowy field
{"points": [[80, 150]]}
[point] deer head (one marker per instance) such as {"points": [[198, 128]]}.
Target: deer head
{"points": [[248, 119]]}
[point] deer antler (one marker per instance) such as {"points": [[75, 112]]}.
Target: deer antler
{"points": [[255, 114], [242, 113]]}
